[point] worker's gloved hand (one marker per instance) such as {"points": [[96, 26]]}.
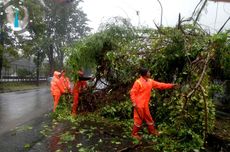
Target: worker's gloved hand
{"points": [[134, 104], [176, 86]]}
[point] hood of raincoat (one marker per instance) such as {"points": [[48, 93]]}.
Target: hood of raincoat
{"points": [[56, 74]]}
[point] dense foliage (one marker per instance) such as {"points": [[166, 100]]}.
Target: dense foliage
{"points": [[220, 64]]}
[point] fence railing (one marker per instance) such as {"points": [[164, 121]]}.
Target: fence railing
{"points": [[20, 79], [20, 73]]}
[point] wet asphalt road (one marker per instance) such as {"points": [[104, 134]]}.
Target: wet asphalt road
{"points": [[17, 108]]}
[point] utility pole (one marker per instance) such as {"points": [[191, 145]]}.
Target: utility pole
{"points": [[138, 15], [161, 12]]}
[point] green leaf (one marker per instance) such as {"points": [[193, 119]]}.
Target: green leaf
{"points": [[27, 146]]}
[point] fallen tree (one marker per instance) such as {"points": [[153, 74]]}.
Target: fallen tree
{"points": [[180, 55]]}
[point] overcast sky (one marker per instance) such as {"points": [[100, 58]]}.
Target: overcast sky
{"points": [[98, 11]]}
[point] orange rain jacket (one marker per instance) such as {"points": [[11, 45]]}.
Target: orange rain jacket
{"points": [[56, 87], [66, 83], [140, 95], [141, 90]]}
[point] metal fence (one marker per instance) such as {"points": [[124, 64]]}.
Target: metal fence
{"points": [[20, 73]]}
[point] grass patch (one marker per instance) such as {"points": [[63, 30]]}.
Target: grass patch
{"points": [[19, 86]]}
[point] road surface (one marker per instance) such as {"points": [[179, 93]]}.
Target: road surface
{"points": [[17, 108]]}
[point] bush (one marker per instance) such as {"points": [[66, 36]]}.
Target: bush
{"points": [[23, 73], [122, 110]]}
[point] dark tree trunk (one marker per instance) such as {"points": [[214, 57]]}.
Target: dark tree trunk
{"points": [[51, 60], [61, 59], [38, 64], [1, 44]]}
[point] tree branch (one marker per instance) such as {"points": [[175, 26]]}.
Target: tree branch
{"points": [[129, 148], [193, 13], [198, 83], [206, 113], [223, 25], [201, 9], [201, 77]]}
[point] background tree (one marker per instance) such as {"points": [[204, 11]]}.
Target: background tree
{"points": [[35, 46], [9, 44], [16, 44], [66, 22]]}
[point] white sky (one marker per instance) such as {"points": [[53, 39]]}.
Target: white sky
{"points": [[99, 11]]}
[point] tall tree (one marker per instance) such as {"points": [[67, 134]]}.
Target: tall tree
{"points": [[35, 46], [13, 41], [8, 40], [66, 22]]}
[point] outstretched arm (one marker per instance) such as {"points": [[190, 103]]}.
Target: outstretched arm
{"points": [[161, 85]]}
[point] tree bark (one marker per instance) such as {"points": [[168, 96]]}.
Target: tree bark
{"points": [[2, 44], [51, 60], [38, 65]]}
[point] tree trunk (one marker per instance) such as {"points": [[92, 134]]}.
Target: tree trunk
{"points": [[61, 59], [60, 56], [38, 58], [1, 44], [51, 60]]}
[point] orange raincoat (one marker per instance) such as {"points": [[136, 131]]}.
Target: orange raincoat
{"points": [[56, 88], [140, 96], [66, 83]]}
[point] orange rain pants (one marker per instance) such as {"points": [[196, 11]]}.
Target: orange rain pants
{"points": [[140, 96], [56, 89], [78, 86]]}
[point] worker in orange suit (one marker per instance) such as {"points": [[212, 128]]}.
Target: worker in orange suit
{"points": [[56, 88], [140, 97], [78, 87], [65, 82]]}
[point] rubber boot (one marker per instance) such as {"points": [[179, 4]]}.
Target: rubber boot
{"points": [[135, 132], [153, 131]]}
